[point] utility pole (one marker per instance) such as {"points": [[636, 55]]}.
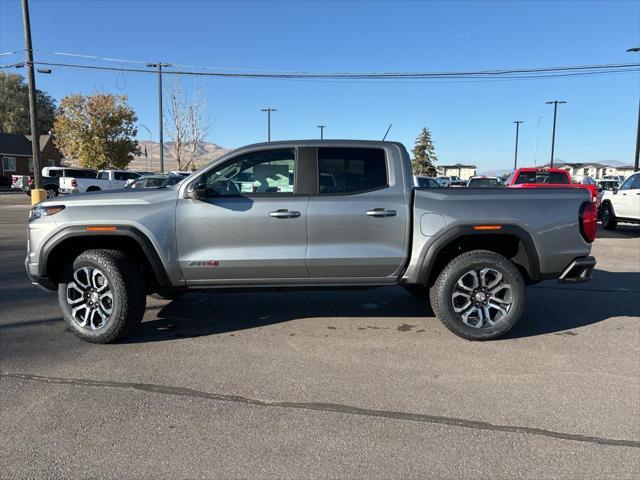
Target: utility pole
{"points": [[269, 110], [159, 66], [515, 160], [636, 167], [555, 113], [37, 194], [321, 127]]}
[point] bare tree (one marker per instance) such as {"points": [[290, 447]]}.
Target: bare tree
{"points": [[176, 120], [186, 123], [197, 126]]}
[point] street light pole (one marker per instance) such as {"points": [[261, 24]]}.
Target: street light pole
{"points": [[159, 66], [535, 152], [37, 194], [553, 135], [515, 160], [636, 167], [321, 127], [269, 110]]}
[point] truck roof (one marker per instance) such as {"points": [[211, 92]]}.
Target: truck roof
{"points": [[316, 142]]}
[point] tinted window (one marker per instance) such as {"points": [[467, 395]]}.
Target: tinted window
{"points": [[631, 182], [542, 177], [267, 171], [125, 175], [350, 170], [103, 175], [484, 182], [55, 173], [155, 182], [427, 183], [173, 180], [80, 173]]}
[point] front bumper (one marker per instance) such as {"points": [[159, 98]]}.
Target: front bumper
{"points": [[578, 270], [32, 273]]}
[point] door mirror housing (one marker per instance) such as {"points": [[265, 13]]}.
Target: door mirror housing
{"points": [[197, 190]]}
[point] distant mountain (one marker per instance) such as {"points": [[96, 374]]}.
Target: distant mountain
{"points": [[495, 173], [206, 153]]}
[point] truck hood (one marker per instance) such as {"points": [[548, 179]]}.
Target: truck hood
{"points": [[115, 197]]}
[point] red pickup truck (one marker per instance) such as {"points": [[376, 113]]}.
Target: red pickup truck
{"points": [[547, 178]]}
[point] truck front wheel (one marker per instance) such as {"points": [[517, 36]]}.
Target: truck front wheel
{"points": [[479, 295], [102, 296]]}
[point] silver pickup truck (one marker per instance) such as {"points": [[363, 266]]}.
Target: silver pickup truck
{"points": [[308, 214]]}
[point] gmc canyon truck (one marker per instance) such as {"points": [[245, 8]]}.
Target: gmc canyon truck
{"points": [[308, 214]]}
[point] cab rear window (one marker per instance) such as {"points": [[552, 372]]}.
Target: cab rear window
{"points": [[542, 177]]}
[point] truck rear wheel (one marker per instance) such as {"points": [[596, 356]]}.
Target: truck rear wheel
{"points": [[480, 295], [102, 296]]}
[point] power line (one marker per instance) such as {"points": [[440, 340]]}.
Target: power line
{"points": [[258, 72], [548, 72]]}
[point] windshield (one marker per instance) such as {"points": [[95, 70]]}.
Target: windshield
{"points": [[542, 177]]}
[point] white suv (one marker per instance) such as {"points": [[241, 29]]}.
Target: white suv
{"points": [[623, 204]]}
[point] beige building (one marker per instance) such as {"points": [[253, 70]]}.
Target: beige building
{"points": [[593, 170], [465, 172]]}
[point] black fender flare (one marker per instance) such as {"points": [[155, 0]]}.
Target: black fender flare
{"points": [[460, 231], [79, 231]]}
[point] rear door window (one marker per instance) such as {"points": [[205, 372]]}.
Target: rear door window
{"points": [[351, 170]]}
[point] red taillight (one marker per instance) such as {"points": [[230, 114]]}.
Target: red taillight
{"points": [[74, 183], [588, 221]]}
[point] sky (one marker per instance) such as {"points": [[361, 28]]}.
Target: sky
{"points": [[470, 121]]}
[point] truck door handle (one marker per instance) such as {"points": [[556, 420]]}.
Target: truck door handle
{"points": [[284, 213], [381, 212]]}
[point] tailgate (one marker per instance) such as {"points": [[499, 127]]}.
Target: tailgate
{"points": [[67, 182]]}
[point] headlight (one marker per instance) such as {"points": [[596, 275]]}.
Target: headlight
{"points": [[39, 212]]}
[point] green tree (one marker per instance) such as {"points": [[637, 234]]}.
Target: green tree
{"points": [[14, 106], [96, 130], [424, 155]]}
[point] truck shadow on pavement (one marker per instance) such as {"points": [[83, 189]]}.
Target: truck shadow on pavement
{"points": [[550, 308]]}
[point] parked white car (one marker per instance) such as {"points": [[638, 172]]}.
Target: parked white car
{"points": [[617, 178], [422, 181], [446, 181], [105, 180], [623, 204]]}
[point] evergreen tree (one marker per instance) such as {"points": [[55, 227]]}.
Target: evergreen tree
{"points": [[424, 155], [14, 106]]}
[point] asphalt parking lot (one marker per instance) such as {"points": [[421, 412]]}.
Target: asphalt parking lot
{"points": [[355, 384]]}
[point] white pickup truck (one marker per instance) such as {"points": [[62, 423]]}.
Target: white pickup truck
{"points": [[106, 180]]}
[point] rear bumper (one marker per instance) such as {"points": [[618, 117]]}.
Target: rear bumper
{"points": [[578, 270]]}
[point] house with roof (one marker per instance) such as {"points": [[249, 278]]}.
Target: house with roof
{"points": [[15, 155], [465, 172]]}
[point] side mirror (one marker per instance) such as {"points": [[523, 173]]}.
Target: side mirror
{"points": [[600, 188], [615, 190], [197, 190]]}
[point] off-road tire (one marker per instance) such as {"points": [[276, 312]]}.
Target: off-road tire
{"points": [[609, 221], [127, 286], [441, 293]]}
